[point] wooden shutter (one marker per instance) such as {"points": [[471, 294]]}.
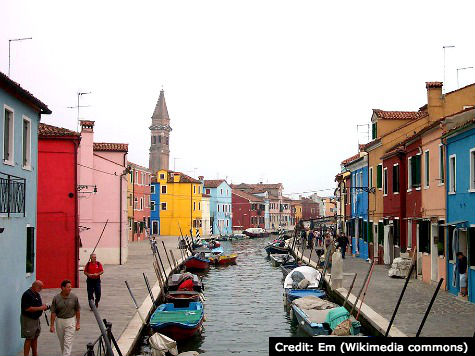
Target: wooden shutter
{"points": [[379, 176]]}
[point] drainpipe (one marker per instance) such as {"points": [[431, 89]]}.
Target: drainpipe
{"points": [[76, 213]]}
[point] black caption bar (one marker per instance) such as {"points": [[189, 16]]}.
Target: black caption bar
{"points": [[433, 346]]}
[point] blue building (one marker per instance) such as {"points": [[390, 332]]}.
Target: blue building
{"points": [[460, 203], [155, 208], [20, 117], [359, 205], [220, 206]]}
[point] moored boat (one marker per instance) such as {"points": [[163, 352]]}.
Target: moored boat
{"points": [[182, 297], [292, 294], [287, 267], [278, 247], [254, 232], [185, 281], [279, 258], [226, 259], [197, 262], [179, 323]]}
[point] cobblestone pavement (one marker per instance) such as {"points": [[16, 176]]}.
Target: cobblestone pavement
{"points": [[116, 305], [449, 316]]}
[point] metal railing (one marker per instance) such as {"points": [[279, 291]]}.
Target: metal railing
{"points": [[102, 346], [12, 194]]}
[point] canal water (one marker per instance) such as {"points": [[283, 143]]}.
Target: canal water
{"points": [[244, 304]]}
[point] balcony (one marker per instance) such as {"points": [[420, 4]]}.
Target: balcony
{"points": [[12, 194]]}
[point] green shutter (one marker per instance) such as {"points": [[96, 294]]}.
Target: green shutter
{"points": [[374, 130], [379, 176], [416, 173], [370, 232]]}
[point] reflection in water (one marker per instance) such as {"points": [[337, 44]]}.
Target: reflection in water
{"points": [[244, 304]]}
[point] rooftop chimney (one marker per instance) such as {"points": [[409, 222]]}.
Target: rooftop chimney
{"points": [[435, 100], [87, 125]]}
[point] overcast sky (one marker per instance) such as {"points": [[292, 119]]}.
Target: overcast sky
{"points": [[256, 90]]}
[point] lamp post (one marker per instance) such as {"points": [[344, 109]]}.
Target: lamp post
{"points": [[9, 44], [444, 48], [459, 69]]}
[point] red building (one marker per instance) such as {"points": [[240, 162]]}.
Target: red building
{"points": [[310, 209], [142, 179], [57, 210], [248, 210]]}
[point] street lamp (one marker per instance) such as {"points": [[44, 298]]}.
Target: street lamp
{"points": [[458, 69], [444, 48], [9, 43]]}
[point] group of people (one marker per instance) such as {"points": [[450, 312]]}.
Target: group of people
{"points": [[324, 240], [65, 310]]}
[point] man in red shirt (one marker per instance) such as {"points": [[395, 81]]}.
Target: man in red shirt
{"points": [[93, 270]]}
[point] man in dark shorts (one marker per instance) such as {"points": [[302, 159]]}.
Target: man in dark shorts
{"points": [[31, 309], [93, 270]]}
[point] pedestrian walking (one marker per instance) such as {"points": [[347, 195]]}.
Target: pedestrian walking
{"points": [[343, 243], [32, 308], [65, 310], [93, 270], [310, 239], [462, 269]]}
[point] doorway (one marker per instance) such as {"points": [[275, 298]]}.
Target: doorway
{"points": [[434, 253]]}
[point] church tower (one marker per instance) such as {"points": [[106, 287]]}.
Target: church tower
{"points": [[160, 136]]}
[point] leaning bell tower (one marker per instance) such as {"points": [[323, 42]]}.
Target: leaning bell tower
{"points": [[160, 136]]}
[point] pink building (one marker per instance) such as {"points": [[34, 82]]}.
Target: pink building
{"points": [[102, 192]]}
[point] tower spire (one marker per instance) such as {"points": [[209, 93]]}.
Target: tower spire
{"points": [[160, 136]]}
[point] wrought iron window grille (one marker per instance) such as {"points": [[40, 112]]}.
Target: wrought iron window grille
{"points": [[12, 194]]}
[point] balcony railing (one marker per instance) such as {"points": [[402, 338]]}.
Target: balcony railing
{"points": [[12, 194]]}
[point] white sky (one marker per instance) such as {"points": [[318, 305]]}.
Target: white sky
{"points": [[256, 90]]}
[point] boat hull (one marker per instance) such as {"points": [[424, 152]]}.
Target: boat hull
{"points": [[226, 260], [179, 333], [275, 249], [196, 264], [292, 294], [312, 329]]}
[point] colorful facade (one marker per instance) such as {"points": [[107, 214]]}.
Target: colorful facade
{"points": [[154, 207], [20, 117], [248, 210], [220, 205], [142, 178], [180, 203], [57, 248], [102, 194]]}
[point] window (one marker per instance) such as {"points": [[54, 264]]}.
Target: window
{"points": [[409, 174], [385, 181], [194, 206], [374, 131], [218, 208], [26, 142], [164, 189], [472, 169], [141, 203], [426, 169], [199, 189], [221, 192], [136, 202], [136, 177], [371, 177], [162, 176], [199, 205], [396, 178], [152, 205], [30, 249], [159, 139], [167, 140], [452, 174], [8, 136], [142, 176], [227, 223], [379, 176], [441, 164], [152, 189], [194, 189], [163, 206], [153, 140], [131, 175], [416, 171], [207, 191]]}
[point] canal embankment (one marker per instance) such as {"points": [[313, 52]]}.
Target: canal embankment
{"points": [[116, 305], [450, 316]]}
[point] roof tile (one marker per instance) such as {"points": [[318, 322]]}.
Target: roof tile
{"points": [[399, 115], [113, 147], [49, 130]]}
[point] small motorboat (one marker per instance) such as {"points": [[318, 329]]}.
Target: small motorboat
{"points": [[254, 232], [276, 247], [226, 259], [179, 323], [318, 317], [181, 298], [197, 262], [303, 272], [280, 258], [185, 281]]}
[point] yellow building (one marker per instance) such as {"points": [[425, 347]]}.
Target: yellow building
{"points": [[296, 211], [180, 203]]}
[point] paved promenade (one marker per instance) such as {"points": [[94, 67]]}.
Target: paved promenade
{"points": [[450, 316], [116, 305]]}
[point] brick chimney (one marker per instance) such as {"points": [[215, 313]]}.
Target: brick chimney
{"points": [[435, 100]]}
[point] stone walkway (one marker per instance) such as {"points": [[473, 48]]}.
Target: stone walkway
{"points": [[449, 316], [116, 305]]}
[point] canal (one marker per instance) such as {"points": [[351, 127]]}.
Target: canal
{"points": [[244, 304]]}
